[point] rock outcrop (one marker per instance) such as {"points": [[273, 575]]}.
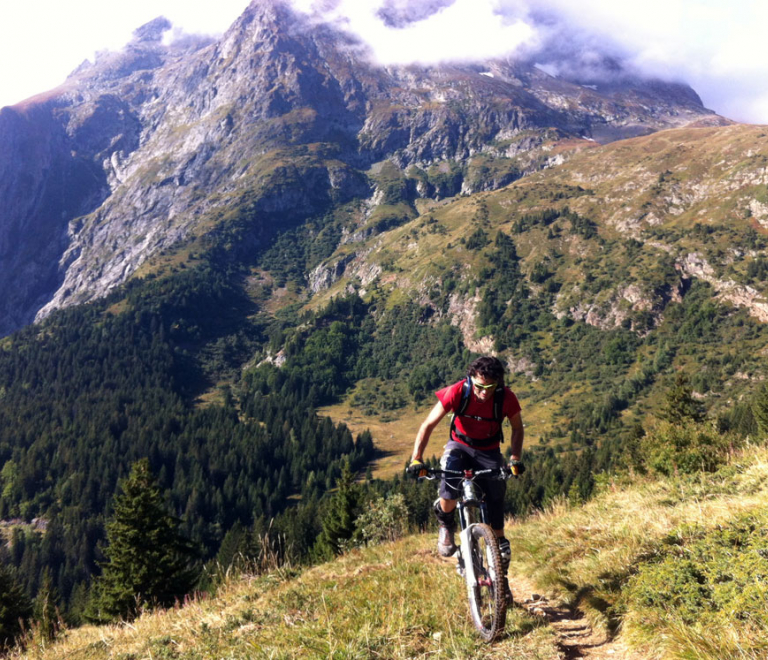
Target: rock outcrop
{"points": [[277, 119]]}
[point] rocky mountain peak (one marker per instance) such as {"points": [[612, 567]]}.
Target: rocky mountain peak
{"points": [[138, 149], [264, 18], [153, 31]]}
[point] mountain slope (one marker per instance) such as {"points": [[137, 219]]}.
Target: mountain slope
{"points": [[151, 146], [627, 259], [399, 600], [701, 189], [214, 361]]}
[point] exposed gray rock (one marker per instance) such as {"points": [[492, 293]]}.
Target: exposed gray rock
{"points": [[277, 119], [325, 276], [462, 312], [738, 295]]}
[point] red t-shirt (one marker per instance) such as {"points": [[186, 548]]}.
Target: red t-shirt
{"points": [[476, 429]]}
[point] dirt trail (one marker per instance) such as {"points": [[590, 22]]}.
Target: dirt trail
{"points": [[576, 637], [577, 640]]}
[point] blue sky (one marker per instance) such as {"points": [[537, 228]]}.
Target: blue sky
{"points": [[716, 47]]}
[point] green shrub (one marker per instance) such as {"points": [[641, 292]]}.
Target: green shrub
{"points": [[760, 410], [717, 579], [686, 447], [477, 240], [386, 519], [674, 584]]}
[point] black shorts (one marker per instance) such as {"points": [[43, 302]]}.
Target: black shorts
{"points": [[461, 457]]}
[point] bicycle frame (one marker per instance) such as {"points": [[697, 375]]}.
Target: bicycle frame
{"points": [[467, 505], [471, 501]]}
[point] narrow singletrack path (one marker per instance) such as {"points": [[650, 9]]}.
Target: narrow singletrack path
{"points": [[577, 638]]}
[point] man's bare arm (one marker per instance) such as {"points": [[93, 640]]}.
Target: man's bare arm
{"points": [[518, 433], [425, 431]]}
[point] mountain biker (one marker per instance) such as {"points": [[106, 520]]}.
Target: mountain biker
{"points": [[478, 403]]}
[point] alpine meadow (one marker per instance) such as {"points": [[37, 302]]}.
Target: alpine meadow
{"points": [[234, 272]]}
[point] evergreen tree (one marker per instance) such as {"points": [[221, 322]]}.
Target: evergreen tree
{"points": [[679, 404], [46, 607], [15, 608], [148, 561], [234, 553], [339, 519], [760, 410], [78, 604]]}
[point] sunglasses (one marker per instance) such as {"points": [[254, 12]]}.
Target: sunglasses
{"points": [[488, 387]]}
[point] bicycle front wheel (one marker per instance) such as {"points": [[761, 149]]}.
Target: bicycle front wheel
{"points": [[485, 587]]}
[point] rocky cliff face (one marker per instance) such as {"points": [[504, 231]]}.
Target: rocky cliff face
{"points": [[148, 146]]}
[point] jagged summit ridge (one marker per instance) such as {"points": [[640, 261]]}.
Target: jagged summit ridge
{"points": [[153, 31], [135, 149]]}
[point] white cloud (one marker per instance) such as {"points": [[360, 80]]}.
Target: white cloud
{"points": [[42, 41], [466, 29], [716, 47]]}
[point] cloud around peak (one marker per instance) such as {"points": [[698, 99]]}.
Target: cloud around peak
{"points": [[428, 32], [716, 48]]}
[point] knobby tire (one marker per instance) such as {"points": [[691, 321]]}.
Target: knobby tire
{"points": [[487, 600]]}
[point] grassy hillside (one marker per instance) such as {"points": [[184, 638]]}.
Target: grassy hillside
{"points": [[639, 559], [629, 263], [598, 281], [674, 566], [392, 601]]}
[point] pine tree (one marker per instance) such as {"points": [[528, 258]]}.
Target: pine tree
{"points": [[148, 562], [339, 519], [760, 410], [679, 405], [15, 608], [46, 607], [231, 551]]}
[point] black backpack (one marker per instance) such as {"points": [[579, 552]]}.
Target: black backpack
{"points": [[498, 416]]}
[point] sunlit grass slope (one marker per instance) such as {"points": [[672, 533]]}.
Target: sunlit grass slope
{"points": [[663, 563], [391, 601], [674, 567]]}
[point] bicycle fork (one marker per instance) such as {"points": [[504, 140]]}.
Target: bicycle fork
{"points": [[465, 566], [466, 569]]}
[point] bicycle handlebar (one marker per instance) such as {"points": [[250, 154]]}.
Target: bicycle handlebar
{"points": [[501, 473]]}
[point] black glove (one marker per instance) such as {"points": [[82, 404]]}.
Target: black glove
{"points": [[417, 468], [517, 467]]}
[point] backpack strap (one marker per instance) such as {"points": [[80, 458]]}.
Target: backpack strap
{"points": [[466, 390], [498, 416], [498, 404]]}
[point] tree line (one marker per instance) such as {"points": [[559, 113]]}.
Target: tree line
{"points": [[99, 388]]}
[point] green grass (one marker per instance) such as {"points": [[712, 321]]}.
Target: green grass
{"points": [[390, 601], [589, 556], [625, 558]]}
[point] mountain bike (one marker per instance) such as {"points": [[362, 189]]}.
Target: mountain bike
{"points": [[479, 561]]}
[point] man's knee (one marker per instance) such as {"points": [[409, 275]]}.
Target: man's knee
{"points": [[496, 515], [445, 518]]}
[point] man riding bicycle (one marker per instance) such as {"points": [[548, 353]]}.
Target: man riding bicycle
{"points": [[479, 404]]}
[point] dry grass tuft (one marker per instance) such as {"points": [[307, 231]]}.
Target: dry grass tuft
{"points": [[391, 601], [399, 600]]}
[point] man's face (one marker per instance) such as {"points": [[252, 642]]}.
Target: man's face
{"points": [[483, 387]]}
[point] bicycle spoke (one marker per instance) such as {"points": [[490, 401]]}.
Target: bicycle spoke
{"points": [[487, 602]]}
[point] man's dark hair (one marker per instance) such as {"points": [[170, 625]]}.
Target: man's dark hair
{"points": [[490, 368]]}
